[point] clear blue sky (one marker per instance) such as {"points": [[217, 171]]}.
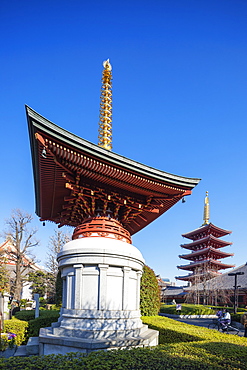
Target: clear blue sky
{"points": [[179, 102]]}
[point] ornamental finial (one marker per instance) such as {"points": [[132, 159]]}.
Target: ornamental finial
{"points": [[107, 64], [105, 119], [206, 212]]}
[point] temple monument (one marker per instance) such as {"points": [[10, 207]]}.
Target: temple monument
{"points": [[107, 198]]}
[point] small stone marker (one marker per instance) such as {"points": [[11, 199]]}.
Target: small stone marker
{"points": [[36, 298]]}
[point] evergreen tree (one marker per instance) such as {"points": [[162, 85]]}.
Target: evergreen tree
{"points": [[149, 293], [40, 283]]}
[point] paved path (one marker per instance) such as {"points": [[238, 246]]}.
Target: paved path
{"points": [[200, 322], [197, 322]]}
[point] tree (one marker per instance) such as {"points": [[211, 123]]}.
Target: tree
{"points": [[22, 240], [40, 283], [55, 245], [149, 293]]}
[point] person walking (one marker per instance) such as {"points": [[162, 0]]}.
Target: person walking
{"points": [[243, 321]]}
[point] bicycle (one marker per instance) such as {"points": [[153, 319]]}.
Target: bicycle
{"points": [[228, 328]]}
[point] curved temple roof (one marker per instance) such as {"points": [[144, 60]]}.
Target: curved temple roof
{"points": [[74, 179], [210, 261], [204, 230], [191, 277], [209, 251], [208, 240]]}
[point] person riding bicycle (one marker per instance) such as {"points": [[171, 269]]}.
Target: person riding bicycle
{"points": [[225, 319]]}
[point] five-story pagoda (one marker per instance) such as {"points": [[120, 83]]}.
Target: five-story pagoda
{"points": [[205, 250], [107, 198]]}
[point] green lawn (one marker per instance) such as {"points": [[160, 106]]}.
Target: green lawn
{"points": [[187, 309]]}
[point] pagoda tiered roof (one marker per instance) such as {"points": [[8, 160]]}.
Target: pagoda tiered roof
{"points": [[206, 252], [210, 262], [192, 277], [205, 230], [209, 240], [76, 179]]}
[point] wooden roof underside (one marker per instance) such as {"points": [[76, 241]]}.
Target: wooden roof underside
{"points": [[74, 177]]}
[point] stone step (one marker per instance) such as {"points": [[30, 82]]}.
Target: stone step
{"points": [[21, 351], [32, 347]]}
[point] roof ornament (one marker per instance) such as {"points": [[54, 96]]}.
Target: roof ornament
{"points": [[206, 213], [105, 119]]}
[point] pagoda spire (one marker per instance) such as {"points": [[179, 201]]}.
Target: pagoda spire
{"points": [[105, 120], [206, 213]]}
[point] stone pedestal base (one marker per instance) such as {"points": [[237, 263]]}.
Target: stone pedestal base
{"points": [[53, 344], [91, 330]]}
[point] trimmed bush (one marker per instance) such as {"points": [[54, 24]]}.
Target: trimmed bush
{"points": [[17, 327], [230, 309], [149, 293], [46, 318], [183, 347], [134, 359], [237, 316], [25, 315], [40, 322], [28, 315], [211, 350]]}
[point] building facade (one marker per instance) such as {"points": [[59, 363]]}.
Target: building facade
{"points": [[8, 252]]}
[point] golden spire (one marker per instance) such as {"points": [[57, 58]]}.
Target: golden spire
{"points": [[105, 120], [206, 212]]}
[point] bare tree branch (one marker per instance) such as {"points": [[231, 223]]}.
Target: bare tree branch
{"points": [[55, 245], [22, 240]]}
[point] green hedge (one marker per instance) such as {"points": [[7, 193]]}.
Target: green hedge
{"points": [[230, 309], [181, 347], [17, 327], [28, 315], [205, 348], [237, 316], [135, 359], [39, 322], [46, 318]]}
